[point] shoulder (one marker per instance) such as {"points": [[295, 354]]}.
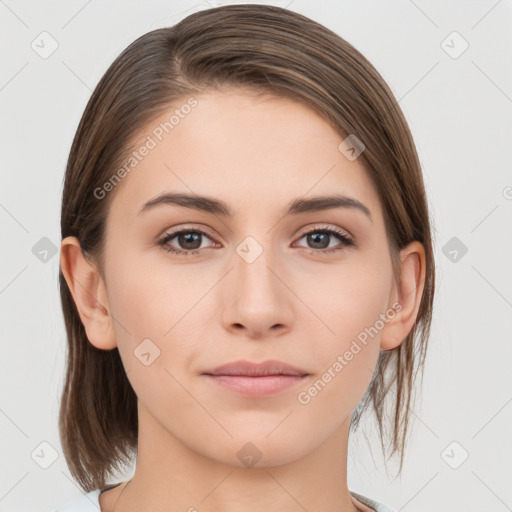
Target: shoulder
{"points": [[374, 505], [87, 503]]}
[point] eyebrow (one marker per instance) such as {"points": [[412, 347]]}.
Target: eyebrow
{"points": [[218, 207]]}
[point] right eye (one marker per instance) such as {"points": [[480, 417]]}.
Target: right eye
{"points": [[189, 239]]}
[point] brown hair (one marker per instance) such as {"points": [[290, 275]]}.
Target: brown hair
{"points": [[270, 50]]}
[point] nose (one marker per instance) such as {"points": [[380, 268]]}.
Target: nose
{"points": [[256, 298]]}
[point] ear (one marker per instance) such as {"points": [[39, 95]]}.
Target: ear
{"points": [[89, 293], [406, 296]]}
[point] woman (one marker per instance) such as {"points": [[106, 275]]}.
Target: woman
{"points": [[246, 267]]}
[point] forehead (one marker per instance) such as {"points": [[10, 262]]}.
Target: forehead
{"points": [[242, 148]]}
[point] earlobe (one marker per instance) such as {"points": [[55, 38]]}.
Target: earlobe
{"points": [[89, 294], [407, 294]]}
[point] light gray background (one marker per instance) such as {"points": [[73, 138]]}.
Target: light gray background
{"points": [[460, 113]]}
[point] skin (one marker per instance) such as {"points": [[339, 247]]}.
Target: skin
{"points": [[207, 309]]}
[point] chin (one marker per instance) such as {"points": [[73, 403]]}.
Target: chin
{"points": [[256, 450]]}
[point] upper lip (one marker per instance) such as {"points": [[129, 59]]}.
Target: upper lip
{"points": [[250, 369]]}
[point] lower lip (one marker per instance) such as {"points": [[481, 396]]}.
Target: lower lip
{"points": [[257, 386]]}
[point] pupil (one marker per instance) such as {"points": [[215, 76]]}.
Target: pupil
{"points": [[314, 238], [185, 239]]}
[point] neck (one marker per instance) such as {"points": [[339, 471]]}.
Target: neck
{"points": [[170, 475]]}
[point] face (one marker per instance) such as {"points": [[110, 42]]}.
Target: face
{"points": [[191, 288]]}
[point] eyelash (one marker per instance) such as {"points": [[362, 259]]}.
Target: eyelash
{"points": [[346, 241]]}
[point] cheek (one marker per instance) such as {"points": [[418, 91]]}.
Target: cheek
{"points": [[347, 306], [346, 299], [157, 322], [171, 305], [149, 299], [346, 356]]}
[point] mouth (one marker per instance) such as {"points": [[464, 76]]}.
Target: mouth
{"points": [[256, 379]]}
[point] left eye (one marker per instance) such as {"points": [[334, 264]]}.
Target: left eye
{"points": [[320, 238]]}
